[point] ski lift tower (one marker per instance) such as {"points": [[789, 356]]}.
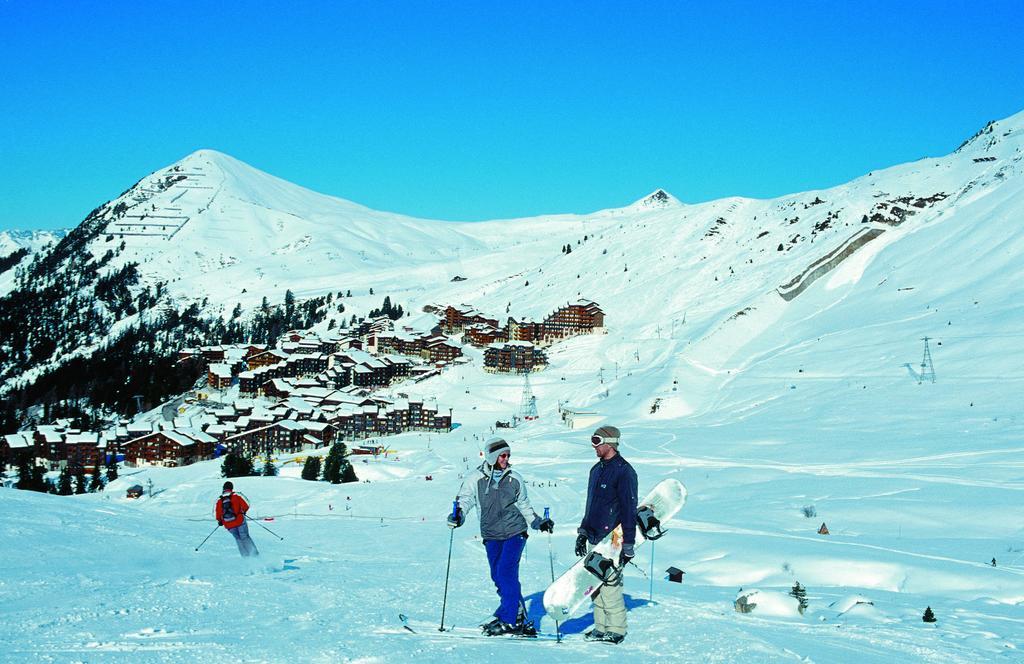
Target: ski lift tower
{"points": [[528, 402]]}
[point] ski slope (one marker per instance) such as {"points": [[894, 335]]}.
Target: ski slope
{"points": [[766, 408]]}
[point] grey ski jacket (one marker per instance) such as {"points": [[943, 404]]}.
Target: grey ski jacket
{"points": [[504, 508]]}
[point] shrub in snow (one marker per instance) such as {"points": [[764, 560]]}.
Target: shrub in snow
{"points": [[800, 594], [809, 511], [928, 616], [767, 603]]}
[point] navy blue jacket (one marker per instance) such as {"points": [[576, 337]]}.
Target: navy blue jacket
{"points": [[611, 500]]}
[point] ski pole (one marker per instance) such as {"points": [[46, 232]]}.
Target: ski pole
{"points": [[551, 561], [208, 536], [264, 528], [451, 538], [650, 592]]}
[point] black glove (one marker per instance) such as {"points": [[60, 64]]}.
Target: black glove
{"points": [[581, 545], [219, 522], [625, 555], [546, 526], [456, 520]]}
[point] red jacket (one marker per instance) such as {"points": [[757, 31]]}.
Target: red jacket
{"points": [[238, 506]]}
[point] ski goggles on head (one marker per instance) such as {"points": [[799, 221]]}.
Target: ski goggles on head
{"points": [[601, 440]]}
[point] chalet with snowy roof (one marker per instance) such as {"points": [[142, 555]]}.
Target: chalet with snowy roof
{"points": [[283, 437], [212, 353], [441, 349], [482, 335], [266, 358], [581, 317], [398, 343], [253, 349], [17, 447], [188, 353], [49, 446], [307, 347], [218, 376], [171, 448], [524, 330], [83, 450], [277, 388], [456, 318], [514, 357], [313, 363]]}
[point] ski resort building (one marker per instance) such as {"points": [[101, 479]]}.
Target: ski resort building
{"points": [[172, 448], [514, 357], [581, 317]]}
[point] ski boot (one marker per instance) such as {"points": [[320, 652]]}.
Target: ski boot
{"points": [[497, 628], [594, 635], [524, 628], [613, 638]]}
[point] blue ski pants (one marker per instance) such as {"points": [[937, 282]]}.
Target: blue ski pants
{"points": [[246, 547], [503, 557]]}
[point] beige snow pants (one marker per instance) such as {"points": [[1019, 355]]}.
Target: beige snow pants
{"points": [[610, 608]]}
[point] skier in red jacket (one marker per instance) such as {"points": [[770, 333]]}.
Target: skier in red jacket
{"points": [[230, 511]]}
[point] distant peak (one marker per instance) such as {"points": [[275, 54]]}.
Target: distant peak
{"points": [[994, 132], [657, 198]]}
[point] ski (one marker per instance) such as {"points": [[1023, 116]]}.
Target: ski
{"points": [[472, 633]]}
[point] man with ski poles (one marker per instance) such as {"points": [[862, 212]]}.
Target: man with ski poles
{"points": [[230, 512], [611, 500], [499, 493]]}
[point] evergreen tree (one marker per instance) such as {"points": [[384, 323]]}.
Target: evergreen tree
{"points": [[348, 473], [24, 476], [929, 616], [64, 483], [96, 482], [81, 484], [311, 469], [39, 481], [112, 468], [235, 465], [269, 469], [337, 468], [568, 249], [289, 307]]}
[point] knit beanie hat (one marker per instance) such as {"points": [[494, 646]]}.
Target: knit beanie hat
{"points": [[493, 448], [228, 486], [606, 434]]}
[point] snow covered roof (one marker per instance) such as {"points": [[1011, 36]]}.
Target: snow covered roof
{"points": [[18, 440], [220, 370]]}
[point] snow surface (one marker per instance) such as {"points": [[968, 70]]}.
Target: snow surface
{"points": [[767, 407]]}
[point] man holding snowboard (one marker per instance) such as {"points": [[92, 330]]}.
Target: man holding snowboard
{"points": [[611, 500]]}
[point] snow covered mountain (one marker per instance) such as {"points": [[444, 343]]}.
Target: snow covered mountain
{"points": [[768, 353], [12, 240]]}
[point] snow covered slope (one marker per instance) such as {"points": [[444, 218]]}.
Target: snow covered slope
{"points": [[766, 353], [12, 240]]}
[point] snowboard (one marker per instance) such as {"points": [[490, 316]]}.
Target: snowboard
{"points": [[581, 581]]}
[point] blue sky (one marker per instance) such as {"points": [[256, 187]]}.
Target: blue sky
{"points": [[489, 110]]}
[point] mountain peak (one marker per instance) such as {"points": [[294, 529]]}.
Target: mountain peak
{"points": [[656, 199], [994, 133]]}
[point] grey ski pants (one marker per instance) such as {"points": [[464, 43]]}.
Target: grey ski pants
{"points": [[245, 543], [610, 608]]}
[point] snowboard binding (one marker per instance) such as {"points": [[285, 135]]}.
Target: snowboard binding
{"points": [[602, 568], [649, 524]]}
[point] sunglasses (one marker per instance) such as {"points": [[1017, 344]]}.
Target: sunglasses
{"points": [[503, 455]]}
